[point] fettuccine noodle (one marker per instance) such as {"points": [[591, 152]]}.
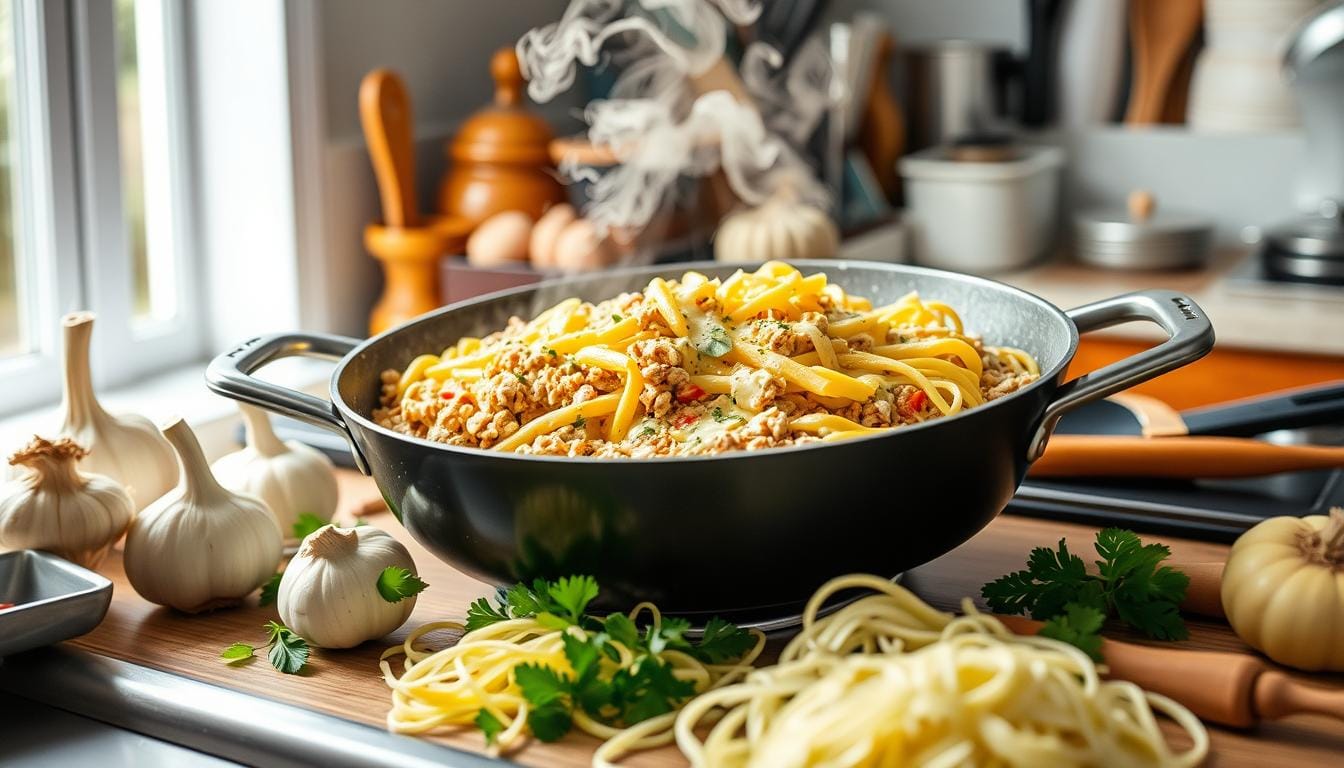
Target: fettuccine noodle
{"points": [[890, 681]]}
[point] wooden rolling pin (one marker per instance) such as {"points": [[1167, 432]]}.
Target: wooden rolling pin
{"points": [[1177, 457], [1227, 688]]}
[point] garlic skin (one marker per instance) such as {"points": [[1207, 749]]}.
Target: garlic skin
{"points": [[55, 507], [329, 593], [200, 547], [1283, 590], [291, 477], [780, 229], [127, 448]]}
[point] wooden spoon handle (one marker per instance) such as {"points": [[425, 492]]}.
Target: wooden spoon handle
{"points": [[385, 113], [1177, 457]]}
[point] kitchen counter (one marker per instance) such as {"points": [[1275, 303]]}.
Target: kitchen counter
{"points": [[1271, 317], [158, 672]]}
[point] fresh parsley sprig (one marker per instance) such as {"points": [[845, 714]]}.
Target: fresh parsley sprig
{"points": [[288, 652], [396, 584], [615, 693], [1130, 583]]}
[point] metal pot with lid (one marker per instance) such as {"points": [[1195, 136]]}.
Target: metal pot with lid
{"points": [[1142, 236], [1309, 249]]}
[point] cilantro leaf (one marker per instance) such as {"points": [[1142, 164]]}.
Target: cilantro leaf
{"points": [[550, 722], [541, 685], [238, 652], [270, 590], [489, 725], [621, 629], [648, 689], [1078, 625], [396, 584], [483, 614], [306, 524], [289, 652], [722, 642], [523, 602], [572, 594], [1158, 619]]}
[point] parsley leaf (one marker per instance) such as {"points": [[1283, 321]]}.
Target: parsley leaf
{"points": [[238, 652], [548, 693], [307, 523], [289, 652], [270, 590], [616, 318], [1130, 583], [489, 725], [1078, 625], [396, 584], [722, 642], [715, 343], [647, 431], [572, 594], [482, 614]]}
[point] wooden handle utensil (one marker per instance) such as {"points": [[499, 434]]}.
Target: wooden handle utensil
{"points": [[1177, 457], [1161, 32], [1228, 688], [385, 113]]}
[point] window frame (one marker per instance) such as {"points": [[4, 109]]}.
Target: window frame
{"points": [[71, 237]]}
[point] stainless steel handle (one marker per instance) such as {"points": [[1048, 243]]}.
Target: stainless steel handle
{"points": [[230, 375], [1191, 337]]}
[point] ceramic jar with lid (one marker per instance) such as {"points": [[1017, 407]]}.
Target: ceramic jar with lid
{"points": [[500, 159], [1142, 236]]}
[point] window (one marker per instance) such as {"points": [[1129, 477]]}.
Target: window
{"points": [[93, 210]]}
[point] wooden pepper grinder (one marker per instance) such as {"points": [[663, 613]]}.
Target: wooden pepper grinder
{"points": [[500, 159], [408, 246]]}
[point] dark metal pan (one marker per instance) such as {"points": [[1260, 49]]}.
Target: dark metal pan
{"points": [[741, 534]]}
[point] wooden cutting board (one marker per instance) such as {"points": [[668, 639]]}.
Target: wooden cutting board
{"points": [[348, 683]]}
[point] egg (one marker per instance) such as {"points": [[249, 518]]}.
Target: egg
{"points": [[547, 232], [500, 239], [579, 249]]}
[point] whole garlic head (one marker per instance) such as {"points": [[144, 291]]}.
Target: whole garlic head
{"points": [[200, 546], [127, 448], [329, 593], [291, 477], [781, 228], [55, 507]]}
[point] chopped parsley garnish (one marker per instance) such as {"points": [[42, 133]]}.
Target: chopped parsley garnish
{"points": [[721, 417], [521, 378], [551, 352], [616, 318], [647, 431], [288, 652], [1130, 584], [616, 694], [579, 422], [396, 584]]}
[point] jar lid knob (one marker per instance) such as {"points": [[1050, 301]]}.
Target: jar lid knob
{"points": [[1141, 205], [508, 75]]}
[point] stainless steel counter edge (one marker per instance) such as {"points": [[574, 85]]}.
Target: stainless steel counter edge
{"points": [[218, 721]]}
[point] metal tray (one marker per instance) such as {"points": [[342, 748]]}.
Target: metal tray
{"points": [[53, 600]]}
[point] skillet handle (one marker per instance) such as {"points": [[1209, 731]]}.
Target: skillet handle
{"points": [[1191, 337], [230, 375]]}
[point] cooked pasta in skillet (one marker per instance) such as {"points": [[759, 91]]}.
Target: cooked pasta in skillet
{"points": [[697, 366]]}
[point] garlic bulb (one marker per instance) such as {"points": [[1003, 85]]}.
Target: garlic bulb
{"points": [[1283, 590], [56, 507], [329, 593], [291, 478], [781, 228], [200, 546], [128, 448]]}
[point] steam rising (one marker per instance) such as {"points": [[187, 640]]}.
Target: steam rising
{"points": [[668, 115]]}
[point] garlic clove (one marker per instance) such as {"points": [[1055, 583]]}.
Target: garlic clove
{"points": [[329, 592], [291, 478], [127, 448], [200, 546], [55, 507]]}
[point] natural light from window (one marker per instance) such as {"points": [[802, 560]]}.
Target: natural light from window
{"points": [[11, 313]]}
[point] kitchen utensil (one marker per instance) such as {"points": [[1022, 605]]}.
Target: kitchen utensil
{"points": [[1161, 32], [672, 529], [881, 133], [1091, 64], [1309, 249], [408, 248], [53, 599], [950, 91], [1239, 84], [1179, 457], [1044, 20], [385, 114], [981, 217], [1143, 236], [501, 156], [1128, 413], [1314, 64], [1225, 688], [1204, 594]]}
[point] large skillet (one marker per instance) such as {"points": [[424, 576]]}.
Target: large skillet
{"points": [[746, 533]]}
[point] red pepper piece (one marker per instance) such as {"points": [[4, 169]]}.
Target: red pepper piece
{"points": [[917, 401], [690, 393], [687, 420], [447, 395]]}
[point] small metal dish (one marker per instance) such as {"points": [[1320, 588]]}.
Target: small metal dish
{"points": [[53, 600]]}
